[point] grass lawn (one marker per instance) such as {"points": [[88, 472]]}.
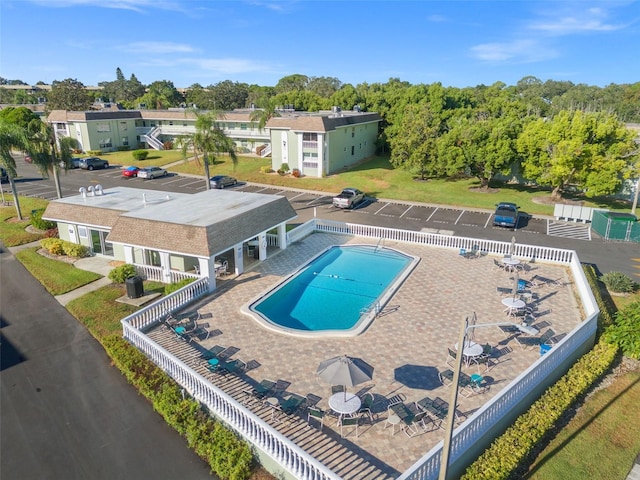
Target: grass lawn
{"points": [[99, 311], [156, 158], [379, 179], [601, 441], [12, 231], [56, 276]]}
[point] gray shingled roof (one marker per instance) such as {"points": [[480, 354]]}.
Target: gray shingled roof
{"points": [[325, 122]]}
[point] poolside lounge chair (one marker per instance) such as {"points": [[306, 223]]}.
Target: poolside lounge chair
{"points": [[547, 338], [232, 367], [291, 405], [317, 414], [446, 377], [260, 391]]}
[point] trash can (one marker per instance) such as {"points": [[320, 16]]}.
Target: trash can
{"points": [[135, 287], [544, 348]]}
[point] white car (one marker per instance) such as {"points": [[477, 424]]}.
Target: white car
{"points": [[151, 172]]}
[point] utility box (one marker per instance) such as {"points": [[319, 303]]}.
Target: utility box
{"points": [[135, 287]]}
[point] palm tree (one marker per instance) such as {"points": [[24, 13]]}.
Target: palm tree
{"points": [[208, 140], [49, 155], [263, 115], [12, 137]]}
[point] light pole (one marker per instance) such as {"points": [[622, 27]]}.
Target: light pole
{"points": [[453, 400]]}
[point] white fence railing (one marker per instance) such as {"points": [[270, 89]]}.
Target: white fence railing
{"points": [[530, 252], [150, 272], [574, 213], [475, 431]]}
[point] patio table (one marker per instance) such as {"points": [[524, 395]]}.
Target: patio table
{"points": [[512, 304], [470, 351], [344, 403], [510, 263]]}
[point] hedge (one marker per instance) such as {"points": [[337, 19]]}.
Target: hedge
{"points": [[514, 446], [57, 246], [229, 457]]}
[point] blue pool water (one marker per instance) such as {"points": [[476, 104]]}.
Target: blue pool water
{"points": [[335, 290]]}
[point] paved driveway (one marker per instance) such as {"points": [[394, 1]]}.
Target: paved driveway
{"points": [[66, 413]]}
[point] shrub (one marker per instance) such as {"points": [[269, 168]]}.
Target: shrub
{"points": [[228, 456], [140, 154], [168, 145], [266, 169], [51, 233], [284, 168], [38, 222], [121, 273], [172, 287], [296, 173], [123, 148], [53, 245], [624, 331], [618, 282], [74, 249], [94, 153]]}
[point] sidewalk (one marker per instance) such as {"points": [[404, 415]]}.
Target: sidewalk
{"points": [[92, 264]]}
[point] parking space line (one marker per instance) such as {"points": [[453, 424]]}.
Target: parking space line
{"points": [[459, 217], [381, 208], [406, 211], [486, 224], [179, 179], [432, 214], [317, 199], [262, 189], [296, 196], [194, 182]]}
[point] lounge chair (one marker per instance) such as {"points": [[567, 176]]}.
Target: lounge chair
{"points": [[504, 291], [446, 377], [317, 414], [547, 338], [263, 389], [232, 367], [509, 330], [292, 405]]}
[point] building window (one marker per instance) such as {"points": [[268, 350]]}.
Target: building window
{"points": [[309, 136], [243, 126], [105, 143], [123, 126], [309, 160], [103, 127], [353, 150], [125, 141]]}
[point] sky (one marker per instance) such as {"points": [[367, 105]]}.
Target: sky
{"points": [[458, 43]]}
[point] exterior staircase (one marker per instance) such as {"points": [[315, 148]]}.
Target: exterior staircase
{"points": [[151, 138]]}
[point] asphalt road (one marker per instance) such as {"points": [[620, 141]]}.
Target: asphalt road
{"points": [[474, 223], [65, 412]]}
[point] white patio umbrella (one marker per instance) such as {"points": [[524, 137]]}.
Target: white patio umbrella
{"points": [[345, 370], [516, 279], [512, 247]]}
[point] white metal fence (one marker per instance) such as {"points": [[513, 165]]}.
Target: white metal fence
{"points": [[474, 431]]}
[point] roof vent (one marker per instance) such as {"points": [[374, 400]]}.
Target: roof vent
{"points": [[90, 190], [98, 190], [144, 198], [83, 191]]}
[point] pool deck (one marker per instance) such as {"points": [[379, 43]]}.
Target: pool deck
{"points": [[406, 344]]}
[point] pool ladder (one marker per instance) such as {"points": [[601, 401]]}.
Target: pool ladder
{"points": [[380, 240], [373, 306]]}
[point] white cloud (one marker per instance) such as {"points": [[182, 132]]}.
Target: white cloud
{"points": [[520, 51], [211, 66], [437, 18], [577, 21], [141, 6], [158, 47]]}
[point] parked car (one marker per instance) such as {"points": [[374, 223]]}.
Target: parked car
{"points": [[4, 177], [91, 163], [506, 215], [222, 181], [151, 172], [348, 198], [131, 171], [74, 163]]}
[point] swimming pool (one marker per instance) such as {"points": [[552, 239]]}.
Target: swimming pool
{"points": [[337, 293]]}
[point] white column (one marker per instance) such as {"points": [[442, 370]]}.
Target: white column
{"points": [[208, 269], [128, 254], [165, 264], [282, 236], [262, 246], [321, 169], [238, 259]]}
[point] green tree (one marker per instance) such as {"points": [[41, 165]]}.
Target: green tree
{"points": [[590, 150], [12, 137], [70, 95], [324, 86], [20, 116], [290, 83], [207, 141], [414, 147], [263, 115], [161, 95], [229, 95], [47, 154]]}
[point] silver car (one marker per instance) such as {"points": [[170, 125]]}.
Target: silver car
{"points": [[222, 181], [151, 172]]}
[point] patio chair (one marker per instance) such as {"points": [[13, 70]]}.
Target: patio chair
{"points": [[337, 389], [509, 330], [349, 422], [478, 384], [544, 339], [446, 377], [483, 362], [504, 291], [366, 407], [498, 265], [317, 414], [451, 357]]}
